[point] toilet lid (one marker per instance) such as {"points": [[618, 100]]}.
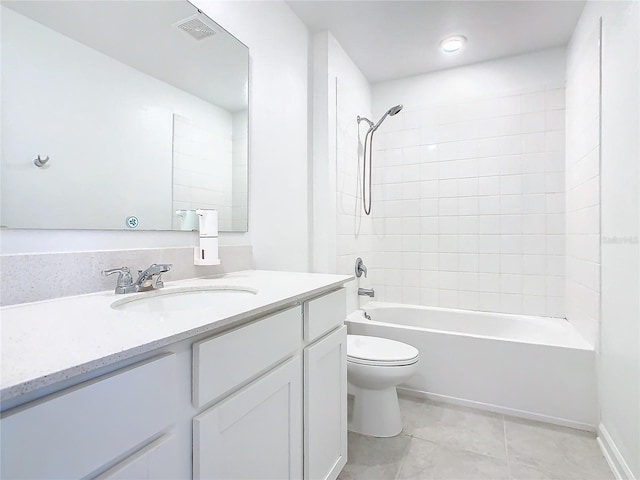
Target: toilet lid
{"points": [[379, 351]]}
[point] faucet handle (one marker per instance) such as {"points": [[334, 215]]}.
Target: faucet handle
{"points": [[125, 280], [122, 271], [360, 268]]}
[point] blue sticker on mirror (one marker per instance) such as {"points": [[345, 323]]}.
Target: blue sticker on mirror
{"points": [[132, 222]]}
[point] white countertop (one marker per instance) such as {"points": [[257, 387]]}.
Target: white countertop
{"points": [[46, 342]]}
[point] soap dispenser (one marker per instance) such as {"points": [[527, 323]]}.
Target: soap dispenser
{"points": [[207, 252]]}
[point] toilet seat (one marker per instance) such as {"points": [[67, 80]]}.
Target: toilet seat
{"points": [[378, 351]]}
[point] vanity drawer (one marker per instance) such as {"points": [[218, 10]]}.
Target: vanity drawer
{"points": [[323, 314], [222, 363], [77, 431]]}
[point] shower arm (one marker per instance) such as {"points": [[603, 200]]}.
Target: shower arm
{"points": [[364, 119]]}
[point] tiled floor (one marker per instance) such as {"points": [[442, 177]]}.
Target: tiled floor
{"points": [[448, 442]]}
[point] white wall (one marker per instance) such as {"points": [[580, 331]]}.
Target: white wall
{"points": [[323, 182], [619, 349], [341, 231], [278, 218], [469, 185], [582, 182], [278, 44]]}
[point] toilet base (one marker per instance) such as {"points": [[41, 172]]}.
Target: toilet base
{"points": [[375, 412]]}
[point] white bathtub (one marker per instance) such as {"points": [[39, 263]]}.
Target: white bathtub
{"points": [[532, 367]]}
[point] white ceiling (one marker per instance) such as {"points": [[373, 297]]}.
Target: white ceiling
{"points": [[142, 35], [396, 39]]}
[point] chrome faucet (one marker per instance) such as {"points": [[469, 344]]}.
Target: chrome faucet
{"points": [[125, 281], [360, 268], [368, 292], [148, 279]]}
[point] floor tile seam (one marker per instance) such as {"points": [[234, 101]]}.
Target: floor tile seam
{"points": [[540, 468], [451, 447], [549, 467], [506, 446], [418, 437], [550, 471], [404, 458]]}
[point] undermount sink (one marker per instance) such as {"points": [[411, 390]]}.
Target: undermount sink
{"points": [[183, 299]]}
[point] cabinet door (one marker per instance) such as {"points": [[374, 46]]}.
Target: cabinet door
{"points": [[325, 406], [254, 433]]}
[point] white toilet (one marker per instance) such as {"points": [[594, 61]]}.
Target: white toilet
{"points": [[374, 367]]}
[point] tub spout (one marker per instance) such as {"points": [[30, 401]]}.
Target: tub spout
{"points": [[366, 292]]}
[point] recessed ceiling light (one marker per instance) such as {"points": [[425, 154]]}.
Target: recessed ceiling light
{"points": [[453, 43]]}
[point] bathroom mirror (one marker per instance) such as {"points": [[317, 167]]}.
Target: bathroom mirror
{"points": [[118, 114]]}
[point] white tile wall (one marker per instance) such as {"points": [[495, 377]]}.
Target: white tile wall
{"points": [[354, 230], [202, 173], [240, 174], [582, 183], [470, 199]]}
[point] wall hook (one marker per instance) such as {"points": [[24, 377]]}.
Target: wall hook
{"points": [[40, 162]]}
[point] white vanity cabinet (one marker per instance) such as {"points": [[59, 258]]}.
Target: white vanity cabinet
{"points": [[255, 432], [325, 387], [80, 431], [156, 461], [262, 400], [289, 423]]}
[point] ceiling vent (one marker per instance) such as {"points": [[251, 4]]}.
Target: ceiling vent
{"points": [[196, 26]]}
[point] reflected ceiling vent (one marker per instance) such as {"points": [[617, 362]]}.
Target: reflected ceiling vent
{"points": [[197, 26]]}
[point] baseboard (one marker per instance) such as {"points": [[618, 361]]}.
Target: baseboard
{"points": [[496, 409], [613, 456]]}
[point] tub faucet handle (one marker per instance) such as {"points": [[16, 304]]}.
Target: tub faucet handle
{"points": [[360, 268]]}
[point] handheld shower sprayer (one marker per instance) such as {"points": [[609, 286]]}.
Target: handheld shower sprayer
{"points": [[368, 139], [389, 113]]}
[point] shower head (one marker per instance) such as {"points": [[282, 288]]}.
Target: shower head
{"points": [[391, 112]]}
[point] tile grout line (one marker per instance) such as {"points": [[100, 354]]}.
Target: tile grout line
{"points": [[506, 447], [404, 457]]}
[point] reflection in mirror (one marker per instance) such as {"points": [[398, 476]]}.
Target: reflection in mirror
{"points": [[143, 115]]}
